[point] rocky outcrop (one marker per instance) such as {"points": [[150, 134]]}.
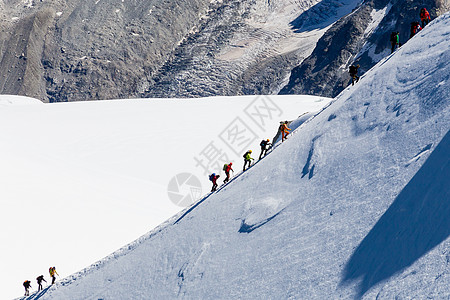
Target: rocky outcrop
{"points": [[361, 37], [108, 49], [88, 50], [21, 70]]}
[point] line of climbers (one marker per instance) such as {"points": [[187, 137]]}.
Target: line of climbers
{"points": [[39, 279], [395, 40], [265, 147], [414, 29]]}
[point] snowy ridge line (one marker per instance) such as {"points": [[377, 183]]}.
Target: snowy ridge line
{"points": [[132, 245], [171, 221], [193, 206]]}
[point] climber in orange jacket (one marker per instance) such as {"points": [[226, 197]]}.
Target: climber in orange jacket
{"points": [[284, 130], [424, 17]]}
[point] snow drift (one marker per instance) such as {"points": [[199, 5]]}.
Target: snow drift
{"points": [[354, 205]]}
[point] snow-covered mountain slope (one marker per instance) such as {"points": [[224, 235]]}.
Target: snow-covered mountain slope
{"points": [[355, 204], [79, 180]]}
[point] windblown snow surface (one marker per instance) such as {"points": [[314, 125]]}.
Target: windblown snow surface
{"points": [[355, 204], [78, 180]]}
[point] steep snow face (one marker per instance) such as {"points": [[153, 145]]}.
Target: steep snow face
{"points": [[355, 204], [85, 178]]}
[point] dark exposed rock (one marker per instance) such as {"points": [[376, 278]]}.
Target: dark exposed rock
{"points": [[21, 58]]}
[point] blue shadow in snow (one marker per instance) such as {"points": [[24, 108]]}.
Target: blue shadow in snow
{"points": [[416, 222], [38, 295], [245, 228], [307, 169]]}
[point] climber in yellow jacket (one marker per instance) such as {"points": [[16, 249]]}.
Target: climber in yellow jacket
{"points": [[52, 271]]}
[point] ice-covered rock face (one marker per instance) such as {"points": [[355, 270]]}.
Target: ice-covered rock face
{"points": [[363, 38]]}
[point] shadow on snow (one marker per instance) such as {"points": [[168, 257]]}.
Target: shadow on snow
{"points": [[38, 295], [246, 228], [416, 222]]}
